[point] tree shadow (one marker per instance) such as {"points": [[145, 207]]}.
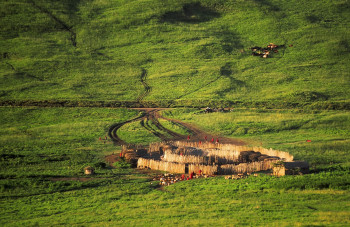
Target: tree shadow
{"points": [[269, 6], [313, 19], [190, 13], [344, 46], [70, 6], [58, 21], [344, 7], [230, 40], [226, 71]]}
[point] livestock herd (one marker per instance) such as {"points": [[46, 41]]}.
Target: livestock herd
{"points": [[167, 179], [267, 51]]}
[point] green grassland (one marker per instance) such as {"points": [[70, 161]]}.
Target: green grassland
{"points": [[134, 133], [192, 51], [200, 202], [174, 127], [43, 144], [99, 53]]}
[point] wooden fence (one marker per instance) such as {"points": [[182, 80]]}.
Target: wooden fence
{"points": [[246, 167], [205, 169], [233, 151], [169, 156], [160, 165], [209, 158]]}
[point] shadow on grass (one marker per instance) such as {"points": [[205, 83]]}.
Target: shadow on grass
{"points": [[230, 40], [190, 13], [269, 6], [60, 22], [45, 185], [226, 71], [71, 6], [313, 19]]}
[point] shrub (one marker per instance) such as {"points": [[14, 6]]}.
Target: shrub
{"points": [[122, 164], [100, 165]]}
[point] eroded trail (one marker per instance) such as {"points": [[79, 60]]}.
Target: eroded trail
{"points": [[148, 89], [66, 27], [200, 135], [149, 120], [112, 132]]}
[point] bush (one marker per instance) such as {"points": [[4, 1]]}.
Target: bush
{"points": [[240, 131], [122, 164], [99, 165]]}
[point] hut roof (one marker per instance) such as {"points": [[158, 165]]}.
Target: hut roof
{"points": [[89, 168]]}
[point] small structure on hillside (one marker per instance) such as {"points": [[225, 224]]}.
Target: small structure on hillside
{"points": [[132, 154], [89, 170], [290, 168]]}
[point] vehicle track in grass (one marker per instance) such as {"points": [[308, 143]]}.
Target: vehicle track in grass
{"points": [[22, 74], [148, 118], [151, 116], [112, 132]]}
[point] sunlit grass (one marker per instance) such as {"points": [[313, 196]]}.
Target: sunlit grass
{"points": [[55, 141], [50, 148], [184, 60], [135, 133], [174, 127]]}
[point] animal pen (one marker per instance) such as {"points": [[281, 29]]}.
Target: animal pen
{"points": [[208, 158]]}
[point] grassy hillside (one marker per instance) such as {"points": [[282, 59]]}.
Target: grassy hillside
{"points": [[112, 53], [184, 51]]}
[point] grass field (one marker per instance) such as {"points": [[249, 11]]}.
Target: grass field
{"points": [[39, 146], [190, 51], [42, 143], [199, 202], [63, 62]]}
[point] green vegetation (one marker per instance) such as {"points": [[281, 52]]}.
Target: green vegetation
{"points": [[188, 52], [45, 149], [65, 60], [38, 144], [174, 127], [134, 132]]}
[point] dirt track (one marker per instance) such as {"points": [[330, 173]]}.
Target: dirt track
{"points": [[151, 116]]}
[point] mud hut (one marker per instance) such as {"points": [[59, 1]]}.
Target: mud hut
{"points": [[130, 156], [290, 168], [89, 170]]}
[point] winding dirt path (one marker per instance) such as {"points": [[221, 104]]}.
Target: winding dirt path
{"points": [[112, 132], [200, 135], [151, 115]]}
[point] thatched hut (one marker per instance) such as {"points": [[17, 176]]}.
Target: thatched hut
{"points": [[129, 154], [89, 170], [290, 168]]}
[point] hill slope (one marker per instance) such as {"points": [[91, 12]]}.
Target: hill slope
{"points": [[148, 50]]}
